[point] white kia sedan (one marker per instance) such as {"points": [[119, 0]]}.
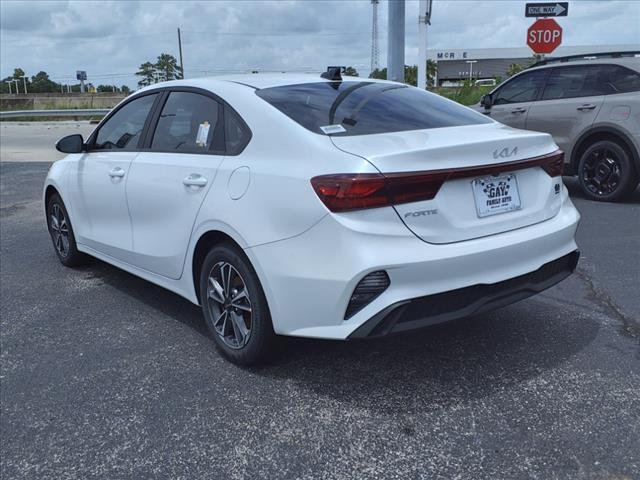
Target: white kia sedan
{"points": [[314, 206]]}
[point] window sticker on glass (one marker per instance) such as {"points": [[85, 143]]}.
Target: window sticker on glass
{"points": [[329, 129], [203, 134]]}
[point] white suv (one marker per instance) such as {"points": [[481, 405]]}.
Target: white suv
{"points": [[325, 207]]}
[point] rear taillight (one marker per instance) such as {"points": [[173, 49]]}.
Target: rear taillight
{"points": [[355, 191], [554, 164]]}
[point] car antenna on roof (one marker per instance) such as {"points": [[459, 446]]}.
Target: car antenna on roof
{"points": [[333, 73]]}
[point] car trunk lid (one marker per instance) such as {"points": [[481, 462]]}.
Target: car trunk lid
{"points": [[491, 184]]}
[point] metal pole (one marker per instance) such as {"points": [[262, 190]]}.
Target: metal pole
{"points": [[17, 85], [9, 83], [424, 19], [395, 49], [471, 62], [180, 50], [24, 81]]}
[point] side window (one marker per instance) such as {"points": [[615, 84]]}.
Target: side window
{"points": [[617, 79], [572, 82], [523, 88], [236, 134], [122, 131], [188, 123]]}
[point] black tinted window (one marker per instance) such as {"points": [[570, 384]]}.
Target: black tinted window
{"points": [[523, 88], [571, 82], [359, 108], [235, 133], [123, 129], [187, 123], [617, 79]]}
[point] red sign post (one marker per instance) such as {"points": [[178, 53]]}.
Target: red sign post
{"points": [[544, 36]]}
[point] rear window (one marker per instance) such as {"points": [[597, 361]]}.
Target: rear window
{"points": [[361, 108]]}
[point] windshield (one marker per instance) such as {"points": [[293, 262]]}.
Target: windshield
{"points": [[360, 108]]}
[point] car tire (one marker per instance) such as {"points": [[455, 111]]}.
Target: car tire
{"points": [[61, 232], [606, 172], [235, 307]]}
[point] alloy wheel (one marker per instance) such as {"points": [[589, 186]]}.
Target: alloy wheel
{"points": [[59, 230], [602, 172], [229, 304]]}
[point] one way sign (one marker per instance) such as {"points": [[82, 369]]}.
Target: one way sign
{"points": [[555, 9]]}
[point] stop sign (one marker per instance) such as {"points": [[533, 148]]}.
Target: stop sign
{"points": [[544, 36]]}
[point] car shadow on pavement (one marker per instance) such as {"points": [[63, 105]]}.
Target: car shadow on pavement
{"points": [[158, 298], [437, 367], [430, 369]]}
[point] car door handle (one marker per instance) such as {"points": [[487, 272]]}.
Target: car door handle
{"points": [[116, 173], [195, 180], [518, 110], [585, 107]]}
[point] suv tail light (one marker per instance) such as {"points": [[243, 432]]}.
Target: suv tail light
{"points": [[344, 192]]}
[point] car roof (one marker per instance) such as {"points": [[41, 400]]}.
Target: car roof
{"points": [[255, 80], [629, 62]]}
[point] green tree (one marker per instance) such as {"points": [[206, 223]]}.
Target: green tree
{"points": [[379, 73], [167, 68], [514, 69], [41, 83], [148, 73], [410, 74], [106, 88], [125, 89], [351, 72]]}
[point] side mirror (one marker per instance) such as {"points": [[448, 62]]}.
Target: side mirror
{"points": [[487, 101], [71, 144]]}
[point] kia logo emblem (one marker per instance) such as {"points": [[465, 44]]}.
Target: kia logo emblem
{"points": [[505, 152]]}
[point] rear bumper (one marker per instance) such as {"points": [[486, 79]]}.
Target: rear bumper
{"points": [[309, 279], [442, 307]]}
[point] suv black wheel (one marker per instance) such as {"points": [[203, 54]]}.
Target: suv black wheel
{"points": [[61, 233], [606, 172], [234, 306]]}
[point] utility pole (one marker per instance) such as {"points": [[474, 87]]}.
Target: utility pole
{"points": [[180, 50], [24, 81], [17, 85], [424, 19], [9, 83], [395, 49]]}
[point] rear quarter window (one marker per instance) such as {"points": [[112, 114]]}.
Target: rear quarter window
{"points": [[362, 108]]}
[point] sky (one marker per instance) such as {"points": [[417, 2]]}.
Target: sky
{"points": [[110, 39]]}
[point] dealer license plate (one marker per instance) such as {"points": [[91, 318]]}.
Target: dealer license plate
{"points": [[495, 195]]}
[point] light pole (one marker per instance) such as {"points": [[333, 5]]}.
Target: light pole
{"points": [[471, 62], [424, 19], [17, 85], [395, 45], [9, 83], [24, 82]]}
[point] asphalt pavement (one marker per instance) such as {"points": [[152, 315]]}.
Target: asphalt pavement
{"points": [[104, 375]]}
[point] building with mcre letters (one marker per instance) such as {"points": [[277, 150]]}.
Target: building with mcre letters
{"points": [[457, 65]]}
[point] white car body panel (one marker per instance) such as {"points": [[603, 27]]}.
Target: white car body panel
{"points": [[307, 258], [94, 193]]}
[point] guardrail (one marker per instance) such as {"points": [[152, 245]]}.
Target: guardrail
{"points": [[91, 112]]}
